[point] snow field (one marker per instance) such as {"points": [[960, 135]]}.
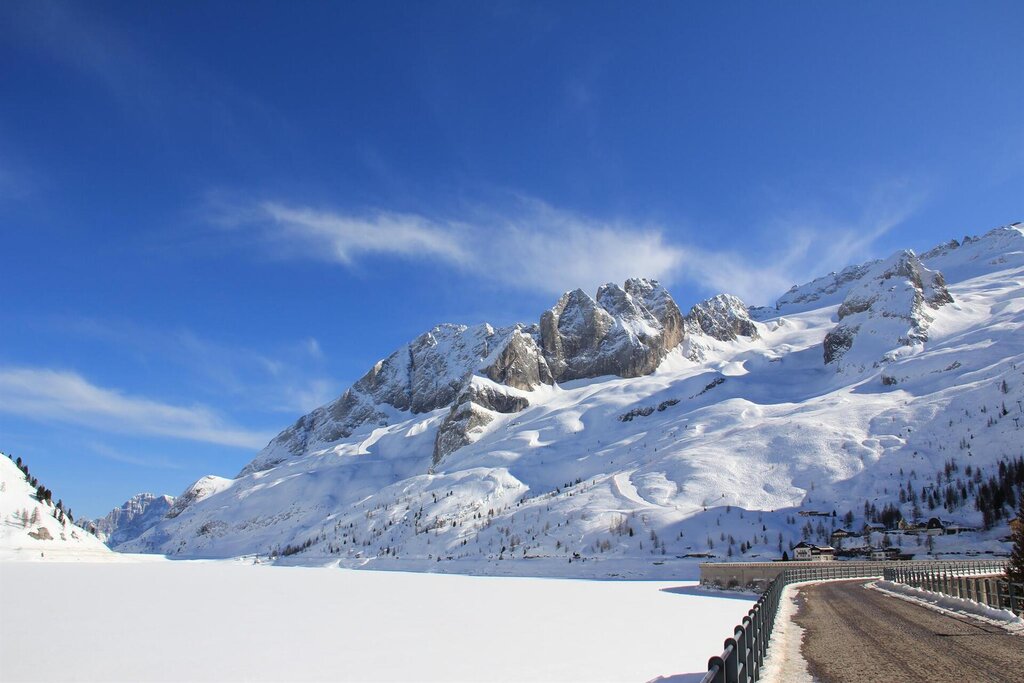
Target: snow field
{"points": [[230, 621]]}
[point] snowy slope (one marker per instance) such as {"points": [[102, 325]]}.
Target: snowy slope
{"points": [[28, 527], [619, 433]]}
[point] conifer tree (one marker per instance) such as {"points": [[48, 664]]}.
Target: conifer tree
{"points": [[1015, 570]]}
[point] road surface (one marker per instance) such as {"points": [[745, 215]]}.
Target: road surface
{"points": [[856, 634]]}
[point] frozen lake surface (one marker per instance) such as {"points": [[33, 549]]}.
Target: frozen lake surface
{"points": [[156, 620]]}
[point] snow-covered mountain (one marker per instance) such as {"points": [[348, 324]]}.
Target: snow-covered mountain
{"points": [[618, 427], [30, 528], [131, 520]]}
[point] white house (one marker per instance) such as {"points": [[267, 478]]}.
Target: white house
{"points": [[808, 552]]}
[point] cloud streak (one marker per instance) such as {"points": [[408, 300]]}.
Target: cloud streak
{"points": [[532, 246], [53, 395], [535, 246]]}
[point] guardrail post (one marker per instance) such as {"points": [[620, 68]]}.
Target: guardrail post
{"points": [[749, 637], [717, 664], [740, 634], [757, 616], [732, 661]]}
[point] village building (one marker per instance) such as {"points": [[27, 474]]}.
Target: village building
{"points": [[881, 554], [808, 552]]}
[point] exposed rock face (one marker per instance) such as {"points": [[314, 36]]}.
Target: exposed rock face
{"points": [[520, 363], [838, 342], [618, 334], [464, 422], [723, 317], [660, 304], [132, 519], [625, 331], [822, 291], [886, 309], [424, 375], [571, 335], [473, 410]]}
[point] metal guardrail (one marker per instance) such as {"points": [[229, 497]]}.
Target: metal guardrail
{"points": [[743, 657], [987, 590]]}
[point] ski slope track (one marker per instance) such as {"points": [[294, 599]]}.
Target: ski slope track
{"points": [[618, 435]]}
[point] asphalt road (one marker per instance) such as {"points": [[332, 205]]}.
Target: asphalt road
{"points": [[856, 634]]}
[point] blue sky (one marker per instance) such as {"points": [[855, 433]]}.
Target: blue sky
{"points": [[215, 216]]}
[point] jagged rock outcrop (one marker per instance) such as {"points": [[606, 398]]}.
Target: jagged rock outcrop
{"points": [[131, 520], [660, 304], [886, 309], [520, 363], [571, 334], [620, 333], [838, 341], [473, 410], [723, 317], [426, 374], [822, 291], [625, 331]]}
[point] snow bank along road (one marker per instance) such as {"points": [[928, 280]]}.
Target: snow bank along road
{"points": [[856, 634]]}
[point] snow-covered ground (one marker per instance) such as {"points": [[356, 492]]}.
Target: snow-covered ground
{"points": [[158, 620]]}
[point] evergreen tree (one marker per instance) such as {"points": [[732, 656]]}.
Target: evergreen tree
{"points": [[1015, 570]]}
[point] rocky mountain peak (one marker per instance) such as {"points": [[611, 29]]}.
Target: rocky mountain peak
{"points": [[724, 317], [625, 331], [132, 519], [886, 309], [662, 306]]}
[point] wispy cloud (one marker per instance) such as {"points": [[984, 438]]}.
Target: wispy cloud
{"points": [[802, 245], [288, 378], [344, 238], [139, 460], [535, 246], [61, 396], [531, 246]]}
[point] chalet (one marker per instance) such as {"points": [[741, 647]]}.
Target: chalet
{"points": [[844, 533], [914, 529], [935, 527], [872, 528], [879, 554], [814, 513], [808, 552]]}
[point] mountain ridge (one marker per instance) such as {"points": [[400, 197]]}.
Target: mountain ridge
{"points": [[495, 419]]}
